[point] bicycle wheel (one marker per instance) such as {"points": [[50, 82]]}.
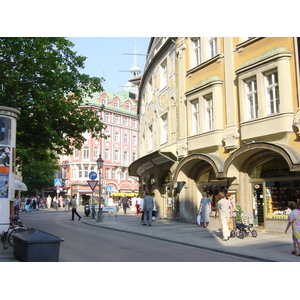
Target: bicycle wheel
{"points": [[10, 237]]}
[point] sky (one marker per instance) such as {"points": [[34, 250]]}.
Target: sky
{"points": [[106, 58]]}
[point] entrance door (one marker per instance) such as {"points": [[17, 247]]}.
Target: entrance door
{"points": [[258, 204]]}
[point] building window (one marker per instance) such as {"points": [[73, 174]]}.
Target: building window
{"points": [[208, 112], [86, 172], [195, 117], [251, 98], [104, 100], [107, 154], [125, 138], [107, 117], [125, 121], [107, 133], [272, 92], [212, 47], [163, 75], [164, 129], [117, 119], [117, 137], [128, 106], [134, 140], [86, 152], [133, 123], [96, 152], [197, 51], [116, 103], [114, 173], [107, 173], [76, 153], [79, 172], [117, 155], [134, 156], [125, 157]]}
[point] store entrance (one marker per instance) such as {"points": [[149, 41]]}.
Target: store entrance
{"points": [[258, 204]]}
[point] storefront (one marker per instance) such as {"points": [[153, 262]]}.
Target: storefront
{"points": [[273, 186]]}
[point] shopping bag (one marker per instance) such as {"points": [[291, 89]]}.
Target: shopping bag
{"points": [[198, 219]]}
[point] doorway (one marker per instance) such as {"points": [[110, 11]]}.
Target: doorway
{"points": [[258, 204]]}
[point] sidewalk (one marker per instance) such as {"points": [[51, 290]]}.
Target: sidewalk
{"points": [[266, 247]]}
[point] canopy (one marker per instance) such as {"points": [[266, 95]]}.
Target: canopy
{"points": [[122, 194], [20, 186]]}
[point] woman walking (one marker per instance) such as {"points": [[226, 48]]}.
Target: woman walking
{"points": [[294, 221], [205, 209]]}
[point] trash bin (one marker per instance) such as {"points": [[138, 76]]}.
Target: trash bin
{"points": [[34, 245]]}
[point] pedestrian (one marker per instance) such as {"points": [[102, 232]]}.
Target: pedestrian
{"points": [[233, 210], [67, 200], [223, 209], [38, 202], [49, 200], [294, 221], [28, 205], [74, 209], [148, 205], [138, 204], [154, 207], [141, 210], [125, 203], [205, 209], [33, 201]]}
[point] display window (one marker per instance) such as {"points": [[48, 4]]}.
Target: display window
{"points": [[277, 186]]}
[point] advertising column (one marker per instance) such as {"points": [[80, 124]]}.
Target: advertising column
{"points": [[8, 124]]}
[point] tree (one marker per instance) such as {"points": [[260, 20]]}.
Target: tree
{"points": [[38, 175], [40, 76]]}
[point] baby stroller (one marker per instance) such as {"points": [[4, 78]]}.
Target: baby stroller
{"points": [[242, 228]]}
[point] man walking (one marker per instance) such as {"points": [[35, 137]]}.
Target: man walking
{"points": [[74, 209], [125, 203], [224, 211], [148, 206]]}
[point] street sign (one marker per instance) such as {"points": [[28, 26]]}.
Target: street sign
{"points": [[92, 183], [57, 182], [93, 175], [109, 188]]}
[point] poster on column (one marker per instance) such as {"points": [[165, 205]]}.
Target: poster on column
{"points": [[4, 185], [5, 131], [5, 153]]}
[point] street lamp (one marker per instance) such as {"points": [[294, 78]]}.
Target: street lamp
{"points": [[100, 162]]}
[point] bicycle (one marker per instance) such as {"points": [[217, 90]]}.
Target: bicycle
{"points": [[15, 226]]}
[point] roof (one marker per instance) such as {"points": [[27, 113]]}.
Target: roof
{"points": [[123, 97]]}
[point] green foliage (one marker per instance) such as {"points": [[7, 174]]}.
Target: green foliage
{"points": [[238, 217], [40, 77], [38, 175]]}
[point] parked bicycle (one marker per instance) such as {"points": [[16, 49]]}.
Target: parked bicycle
{"points": [[15, 226]]}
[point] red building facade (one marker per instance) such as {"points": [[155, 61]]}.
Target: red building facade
{"points": [[118, 151]]}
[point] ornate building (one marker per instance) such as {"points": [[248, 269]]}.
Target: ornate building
{"points": [[220, 114]]}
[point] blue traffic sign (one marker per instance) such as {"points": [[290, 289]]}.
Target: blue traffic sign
{"points": [[92, 175], [57, 182], [109, 188]]}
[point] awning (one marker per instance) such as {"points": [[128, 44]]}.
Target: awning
{"points": [[20, 186], [152, 160], [122, 194]]}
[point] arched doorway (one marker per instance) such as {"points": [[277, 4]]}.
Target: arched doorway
{"points": [[268, 176]]}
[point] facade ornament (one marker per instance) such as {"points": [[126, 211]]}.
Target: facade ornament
{"points": [[231, 137]]}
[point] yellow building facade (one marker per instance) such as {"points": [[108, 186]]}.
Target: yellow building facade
{"points": [[220, 114]]}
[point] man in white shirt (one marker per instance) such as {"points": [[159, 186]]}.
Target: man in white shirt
{"points": [[224, 211]]}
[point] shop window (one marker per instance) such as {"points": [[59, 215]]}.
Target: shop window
{"points": [[280, 186]]}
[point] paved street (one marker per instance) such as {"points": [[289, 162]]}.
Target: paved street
{"points": [[123, 238], [84, 243]]}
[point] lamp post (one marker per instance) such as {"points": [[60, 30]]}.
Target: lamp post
{"points": [[100, 162]]}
